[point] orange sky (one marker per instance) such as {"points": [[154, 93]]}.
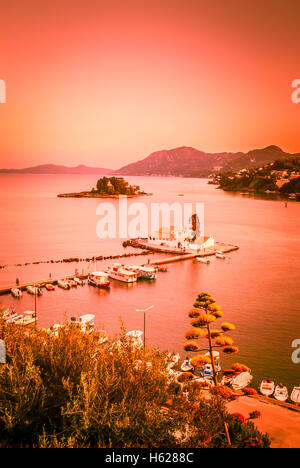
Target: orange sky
{"points": [[105, 83]]}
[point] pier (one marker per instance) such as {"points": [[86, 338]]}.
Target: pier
{"points": [[38, 284]]}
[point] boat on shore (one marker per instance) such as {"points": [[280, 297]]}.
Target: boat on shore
{"points": [[27, 318], [99, 279], [84, 322], [267, 388], [63, 284], [295, 395], [241, 381], [186, 366], [281, 393], [120, 273], [16, 292]]}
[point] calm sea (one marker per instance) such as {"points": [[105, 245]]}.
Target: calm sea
{"points": [[257, 286]]}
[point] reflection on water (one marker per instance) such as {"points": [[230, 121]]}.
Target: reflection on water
{"points": [[257, 286]]}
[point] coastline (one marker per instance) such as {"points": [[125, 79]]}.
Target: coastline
{"points": [[99, 195]]}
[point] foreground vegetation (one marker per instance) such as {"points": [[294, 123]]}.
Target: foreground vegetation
{"points": [[70, 391]]}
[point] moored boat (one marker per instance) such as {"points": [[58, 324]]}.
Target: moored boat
{"points": [[27, 318], [143, 272], [203, 260], [281, 393], [16, 292], [241, 381], [30, 290], [99, 279], [295, 395], [186, 366], [120, 273], [50, 287], [267, 387], [220, 255], [63, 284], [79, 281], [84, 322], [72, 283]]}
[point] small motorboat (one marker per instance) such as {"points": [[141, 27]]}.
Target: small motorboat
{"points": [[241, 381], [295, 395], [99, 279], [30, 290], [203, 260], [174, 358], [207, 371], [72, 283], [267, 387], [63, 284], [216, 356], [9, 314], [220, 255], [39, 291], [162, 269], [186, 366], [84, 322], [281, 393], [16, 292], [50, 287], [78, 281], [27, 318]]}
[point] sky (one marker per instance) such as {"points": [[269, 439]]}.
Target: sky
{"points": [[105, 83]]}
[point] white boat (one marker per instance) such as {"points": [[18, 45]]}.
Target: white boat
{"points": [[16, 292], [84, 322], [118, 272], [72, 283], [63, 284], [220, 255], [30, 290], [145, 272], [174, 359], [186, 366], [267, 387], [295, 395], [79, 281], [27, 318], [50, 287], [99, 279], [281, 393], [216, 356], [203, 260], [9, 313], [241, 381]]}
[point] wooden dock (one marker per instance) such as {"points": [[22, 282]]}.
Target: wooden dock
{"points": [[181, 257], [38, 284]]}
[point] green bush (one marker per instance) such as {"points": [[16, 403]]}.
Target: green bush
{"points": [[70, 391]]}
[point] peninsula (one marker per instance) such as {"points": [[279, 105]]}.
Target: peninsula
{"points": [[109, 187]]}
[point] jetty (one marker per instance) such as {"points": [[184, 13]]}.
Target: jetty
{"points": [[38, 284]]}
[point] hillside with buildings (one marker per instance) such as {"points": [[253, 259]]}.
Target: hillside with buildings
{"points": [[281, 176]]}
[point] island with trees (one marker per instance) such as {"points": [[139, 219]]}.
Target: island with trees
{"points": [[109, 187]]}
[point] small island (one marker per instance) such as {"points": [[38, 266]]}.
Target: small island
{"points": [[109, 187]]}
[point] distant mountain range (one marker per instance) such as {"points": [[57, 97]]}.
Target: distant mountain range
{"points": [[54, 169], [190, 162], [181, 162]]}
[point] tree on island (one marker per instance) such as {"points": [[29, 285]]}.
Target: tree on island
{"points": [[116, 186]]}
